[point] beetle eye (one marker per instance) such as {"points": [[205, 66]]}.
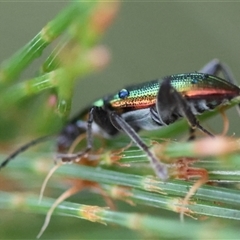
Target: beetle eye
{"points": [[123, 93]]}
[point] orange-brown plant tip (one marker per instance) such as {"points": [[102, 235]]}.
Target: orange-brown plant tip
{"points": [[104, 15], [91, 213], [216, 146], [99, 57], [52, 100]]}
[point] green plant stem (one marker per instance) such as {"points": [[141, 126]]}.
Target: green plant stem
{"points": [[158, 226], [11, 68]]}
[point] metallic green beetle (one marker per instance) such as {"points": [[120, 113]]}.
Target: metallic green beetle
{"points": [[148, 106]]}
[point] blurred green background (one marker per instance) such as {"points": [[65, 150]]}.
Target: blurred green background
{"points": [[147, 40]]}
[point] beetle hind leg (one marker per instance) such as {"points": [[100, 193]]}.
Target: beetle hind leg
{"points": [[169, 101], [215, 67]]}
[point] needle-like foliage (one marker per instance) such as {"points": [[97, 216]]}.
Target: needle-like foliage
{"points": [[113, 187]]}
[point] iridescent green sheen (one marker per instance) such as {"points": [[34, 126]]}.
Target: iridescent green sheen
{"points": [[98, 103], [192, 85], [140, 96], [199, 85]]}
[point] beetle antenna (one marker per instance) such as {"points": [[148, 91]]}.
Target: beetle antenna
{"points": [[24, 148]]}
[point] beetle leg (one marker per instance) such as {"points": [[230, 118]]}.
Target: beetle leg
{"points": [[67, 157], [215, 67], [170, 101], [159, 168], [191, 134]]}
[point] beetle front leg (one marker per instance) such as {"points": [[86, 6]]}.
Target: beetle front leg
{"points": [[170, 103], [67, 157], [191, 134]]}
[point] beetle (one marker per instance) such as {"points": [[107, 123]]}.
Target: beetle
{"points": [[148, 106]]}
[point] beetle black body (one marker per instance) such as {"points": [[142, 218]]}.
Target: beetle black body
{"points": [[150, 106], [147, 116]]}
